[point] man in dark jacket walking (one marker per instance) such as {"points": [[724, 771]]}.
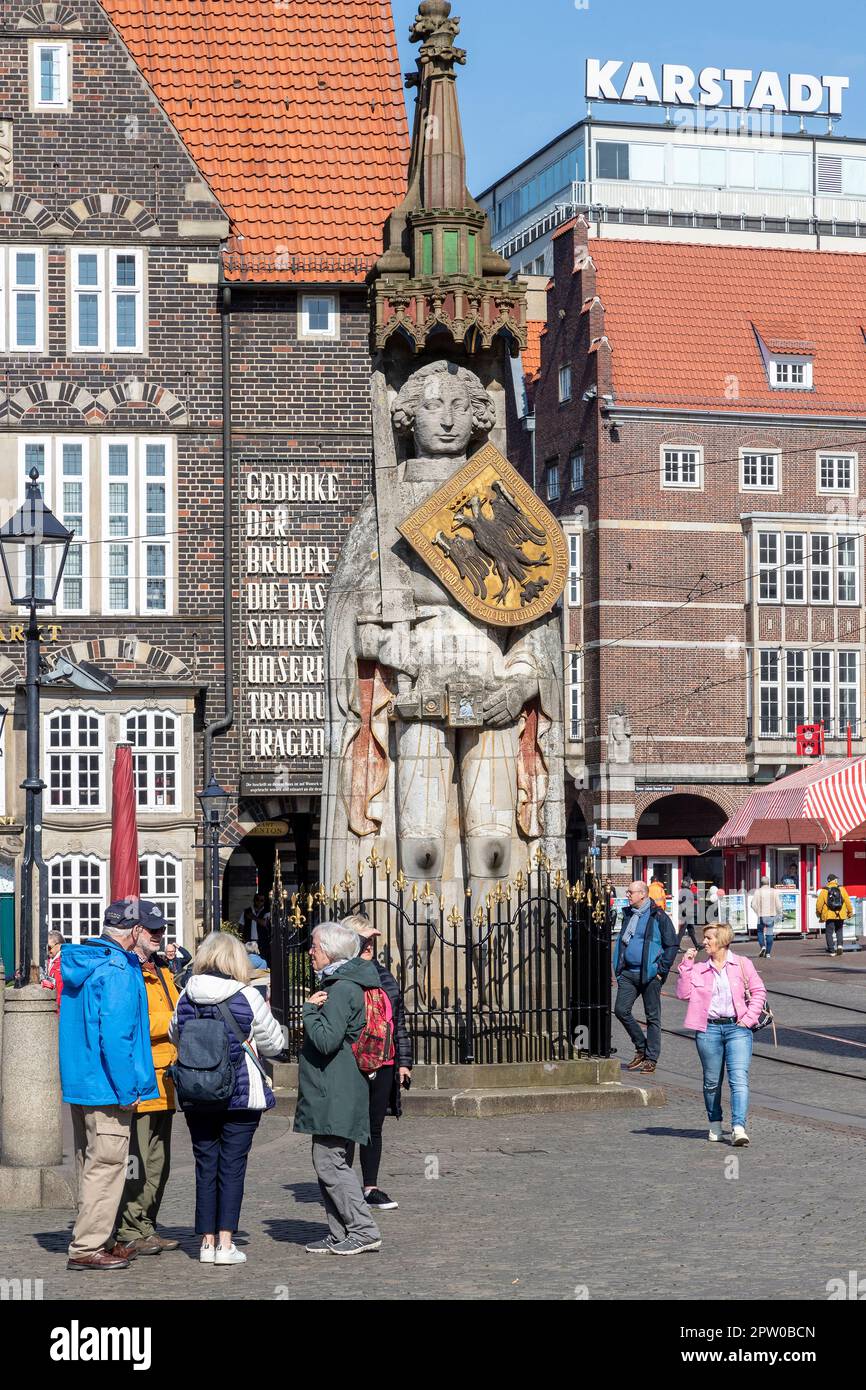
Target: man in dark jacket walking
{"points": [[387, 1084], [645, 950], [333, 1095]]}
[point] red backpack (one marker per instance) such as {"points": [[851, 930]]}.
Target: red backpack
{"points": [[375, 1046]]}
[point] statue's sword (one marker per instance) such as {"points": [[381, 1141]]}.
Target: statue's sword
{"points": [[398, 600]]}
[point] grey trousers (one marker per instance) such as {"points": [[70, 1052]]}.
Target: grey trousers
{"points": [[342, 1194], [833, 931]]}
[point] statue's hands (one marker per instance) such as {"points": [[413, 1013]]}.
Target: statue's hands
{"points": [[396, 649], [502, 706]]}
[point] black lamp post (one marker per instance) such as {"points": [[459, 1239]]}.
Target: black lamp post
{"points": [[33, 550], [214, 803]]}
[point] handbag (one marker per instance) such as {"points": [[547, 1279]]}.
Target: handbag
{"points": [[766, 1019]]}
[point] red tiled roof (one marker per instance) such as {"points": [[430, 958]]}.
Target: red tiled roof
{"points": [[532, 351], [680, 322], [293, 110]]}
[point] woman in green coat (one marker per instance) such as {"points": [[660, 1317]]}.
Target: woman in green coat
{"points": [[333, 1095]]}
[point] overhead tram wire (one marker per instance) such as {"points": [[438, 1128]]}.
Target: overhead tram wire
{"points": [[707, 463]]}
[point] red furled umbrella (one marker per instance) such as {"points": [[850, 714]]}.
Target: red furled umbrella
{"points": [[124, 832]]}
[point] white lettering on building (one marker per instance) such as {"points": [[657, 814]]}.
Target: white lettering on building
{"points": [[676, 84]]}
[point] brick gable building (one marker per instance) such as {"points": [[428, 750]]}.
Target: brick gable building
{"points": [[698, 429], [190, 199]]}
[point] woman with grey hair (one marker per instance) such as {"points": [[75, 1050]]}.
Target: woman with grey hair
{"points": [[333, 1095]]}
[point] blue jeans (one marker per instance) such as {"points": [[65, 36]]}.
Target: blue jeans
{"points": [[726, 1045], [221, 1142], [766, 934]]}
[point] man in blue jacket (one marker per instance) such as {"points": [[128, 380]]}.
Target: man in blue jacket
{"points": [[645, 950], [106, 1067]]}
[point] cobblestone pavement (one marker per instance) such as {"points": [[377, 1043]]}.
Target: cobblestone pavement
{"points": [[609, 1206]]}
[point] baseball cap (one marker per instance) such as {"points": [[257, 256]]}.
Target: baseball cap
{"points": [[135, 912]]}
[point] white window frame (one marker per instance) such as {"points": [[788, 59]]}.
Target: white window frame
{"points": [[835, 457], [148, 754], [792, 568], [575, 455], [56, 921], [679, 450], [852, 685], [75, 753], [171, 903], [137, 541], [575, 696], [565, 383], [551, 472], [770, 684], [573, 588], [9, 291], [781, 367], [333, 330], [822, 569], [62, 101], [107, 291], [81, 538], [769, 567], [831, 689], [761, 456], [852, 569]]}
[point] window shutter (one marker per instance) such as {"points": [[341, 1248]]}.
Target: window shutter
{"points": [[829, 173]]}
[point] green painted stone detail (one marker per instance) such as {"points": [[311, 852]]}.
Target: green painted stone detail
{"points": [[450, 252]]}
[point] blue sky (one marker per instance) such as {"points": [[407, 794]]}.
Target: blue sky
{"points": [[523, 82]]}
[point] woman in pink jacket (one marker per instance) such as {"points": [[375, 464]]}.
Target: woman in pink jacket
{"points": [[722, 1017]]}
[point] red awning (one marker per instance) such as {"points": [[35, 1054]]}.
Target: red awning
{"points": [[788, 832], [659, 849], [831, 793]]}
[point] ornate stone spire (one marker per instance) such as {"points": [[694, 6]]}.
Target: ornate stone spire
{"points": [[438, 272]]}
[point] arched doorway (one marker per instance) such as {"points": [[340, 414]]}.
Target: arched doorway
{"points": [[284, 829], [683, 816]]}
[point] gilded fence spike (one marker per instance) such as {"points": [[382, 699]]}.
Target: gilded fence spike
{"points": [[335, 892], [454, 918], [373, 858], [558, 880], [539, 855], [519, 880], [388, 867], [401, 882], [310, 901], [414, 892], [478, 919]]}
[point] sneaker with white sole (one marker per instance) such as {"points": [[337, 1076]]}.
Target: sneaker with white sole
{"points": [[739, 1137], [355, 1245], [206, 1254], [379, 1199], [232, 1256], [321, 1247], [715, 1133]]}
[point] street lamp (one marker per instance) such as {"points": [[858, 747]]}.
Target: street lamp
{"points": [[214, 803], [33, 550]]}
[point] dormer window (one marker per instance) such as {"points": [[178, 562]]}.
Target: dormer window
{"points": [[790, 373]]}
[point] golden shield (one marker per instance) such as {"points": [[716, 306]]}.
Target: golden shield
{"points": [[491, 542]]}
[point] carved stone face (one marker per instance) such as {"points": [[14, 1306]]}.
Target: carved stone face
{"points": [[443, 418]]}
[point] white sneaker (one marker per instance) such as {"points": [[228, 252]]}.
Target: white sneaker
{"points": [[739, 1137], [206, 1254], [715, 1133], [232, 1256]]}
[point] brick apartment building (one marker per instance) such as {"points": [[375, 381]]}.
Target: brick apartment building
{"points": [[190, 199], [698, 427]]}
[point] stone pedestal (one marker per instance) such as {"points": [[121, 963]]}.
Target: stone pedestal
{"points": [[31, 1135]]}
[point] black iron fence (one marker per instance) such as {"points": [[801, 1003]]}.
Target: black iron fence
{"points": [[526, 976]]}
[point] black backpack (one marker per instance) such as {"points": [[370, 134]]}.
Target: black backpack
{"points": [[834, 898], [204, 1074]]}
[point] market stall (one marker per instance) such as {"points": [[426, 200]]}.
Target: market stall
{"points": [[664, 860], [797, 831]]}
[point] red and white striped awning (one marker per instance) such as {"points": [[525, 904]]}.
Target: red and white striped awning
{"points": [[832, 793]]}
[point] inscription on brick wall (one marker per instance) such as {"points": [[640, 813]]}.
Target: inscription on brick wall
{"points": [[286, 507]]}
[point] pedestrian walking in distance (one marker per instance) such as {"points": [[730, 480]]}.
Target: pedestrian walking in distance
{"points": [[106, 1068], [226, 1023], [645, 950], [767, 906], [688, 906], [150, 1134], [833, 908], [726, 997], [658, 893], [333, 1094], [386, 1085]]}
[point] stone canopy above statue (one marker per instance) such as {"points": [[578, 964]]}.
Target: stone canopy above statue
{"points": [[438, 277]]}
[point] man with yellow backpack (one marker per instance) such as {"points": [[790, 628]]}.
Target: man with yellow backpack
{"points": [[150, 1135], [833, 908]]}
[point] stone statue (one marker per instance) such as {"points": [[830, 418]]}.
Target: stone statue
{"points": [[619, 738], [444, 736]]}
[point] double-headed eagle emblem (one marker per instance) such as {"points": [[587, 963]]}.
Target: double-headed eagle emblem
{"points": [[491, 541]]}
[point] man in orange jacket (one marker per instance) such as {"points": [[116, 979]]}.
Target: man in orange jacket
{"points": [[150, 1135]]}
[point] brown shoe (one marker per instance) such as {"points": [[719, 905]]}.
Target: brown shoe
{"points": [[166, 1244], [637, 1061], [647, 1067], [148, 1245], [102, 1259], [123, 1250]]}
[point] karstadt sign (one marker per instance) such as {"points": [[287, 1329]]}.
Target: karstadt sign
{"points": [[737, 89]]}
